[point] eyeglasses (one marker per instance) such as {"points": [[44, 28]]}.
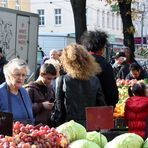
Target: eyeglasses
{"points": [[18, 75]]}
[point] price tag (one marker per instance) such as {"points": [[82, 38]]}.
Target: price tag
{"points": [[98, 118]]}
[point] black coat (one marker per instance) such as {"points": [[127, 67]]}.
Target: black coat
{"points": [[2, 63], [143, 75], [107, 81], [73, 96]]}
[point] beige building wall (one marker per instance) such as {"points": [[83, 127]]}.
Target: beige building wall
{"points": [[23, 5]]}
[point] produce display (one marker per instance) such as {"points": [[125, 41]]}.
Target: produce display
{"points": [[79, 138], [30, 136], [123, 86]]}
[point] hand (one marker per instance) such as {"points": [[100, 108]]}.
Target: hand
{"points": [[47, 105]]}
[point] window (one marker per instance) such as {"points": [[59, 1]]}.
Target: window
{"points": [[17, 5], [57, 16], [98, 18], [113, 21], [118, 19], [41, 17], [4, 3], [108, 19], [103, 19]]}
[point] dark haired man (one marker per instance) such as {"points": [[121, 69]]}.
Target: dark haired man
{"points": [[136, 72], [94, 42]]}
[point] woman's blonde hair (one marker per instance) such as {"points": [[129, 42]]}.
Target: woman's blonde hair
{"points": [[78, 63]]}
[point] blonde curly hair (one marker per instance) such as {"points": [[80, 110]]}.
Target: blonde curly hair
{"points": [[78, 63]]}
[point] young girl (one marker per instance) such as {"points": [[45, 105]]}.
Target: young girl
{"points": [[136, 109]]}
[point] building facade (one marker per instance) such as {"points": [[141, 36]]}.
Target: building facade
{"points": [[23, 5], [141, 20], [57, 16], [140, 23]]}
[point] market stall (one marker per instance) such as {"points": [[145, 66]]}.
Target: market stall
{"points": [[108, 131]]}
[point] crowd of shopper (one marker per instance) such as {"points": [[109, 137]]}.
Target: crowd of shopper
{"points": [[70, 80]]}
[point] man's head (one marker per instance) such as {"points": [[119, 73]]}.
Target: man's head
{"points": [[135, 70], [120, 57], [47, 73], [94, 41], [53, 54]]}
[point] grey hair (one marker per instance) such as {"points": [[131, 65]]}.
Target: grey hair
{"points": [[13, 65], [51, 51]]}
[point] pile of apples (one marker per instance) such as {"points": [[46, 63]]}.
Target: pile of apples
{"points": [[30, 136]]}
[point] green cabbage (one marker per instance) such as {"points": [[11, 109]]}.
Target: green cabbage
{"points": [[97, 137], [145, 145], [83, 143], [72, 130], [127, 140]]}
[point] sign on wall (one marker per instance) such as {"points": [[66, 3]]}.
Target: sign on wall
{"points": [[22, 36]]}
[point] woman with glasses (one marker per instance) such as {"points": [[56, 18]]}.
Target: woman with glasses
{"points": [[14, 98], [42, 94]]}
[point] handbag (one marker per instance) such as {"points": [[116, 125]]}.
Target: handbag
{"points": [[58, 114], [6, 123]]}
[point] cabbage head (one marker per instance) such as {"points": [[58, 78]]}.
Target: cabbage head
{"points": [[83, 143], [127, 140], [72, 130], [97, 137], [145, 145]]}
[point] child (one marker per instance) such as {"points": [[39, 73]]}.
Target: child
{"points": [[136, 109]]}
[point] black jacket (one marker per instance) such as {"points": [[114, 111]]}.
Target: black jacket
{"points": [[73, 96], [143, 75], [2, 63], [122, 71], [107, 81]]}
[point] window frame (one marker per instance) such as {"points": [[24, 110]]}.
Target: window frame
{"points": [[58, 16], [5, 3], [41, 13]]}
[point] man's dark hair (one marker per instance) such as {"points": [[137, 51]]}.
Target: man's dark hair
{"points": [[94, 40], [135, 66], [48, 69]]}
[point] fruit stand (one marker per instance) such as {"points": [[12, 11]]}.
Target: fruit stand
{"points": [[123, 86], [74, 135], [68, 135]]}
